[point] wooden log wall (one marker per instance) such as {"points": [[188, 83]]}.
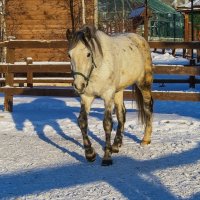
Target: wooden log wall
{"points": [[43, 19]]}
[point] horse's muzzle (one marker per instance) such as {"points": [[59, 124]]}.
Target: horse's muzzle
{"points": [[80, 88]]}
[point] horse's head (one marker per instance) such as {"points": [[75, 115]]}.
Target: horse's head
{"points": [[81, 52]]}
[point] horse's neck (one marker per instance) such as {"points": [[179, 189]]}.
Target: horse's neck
{"points": [[104, 40], [106, 47]]}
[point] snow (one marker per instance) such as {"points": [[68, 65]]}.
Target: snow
{"points": [[42, 156], [167, 58]]}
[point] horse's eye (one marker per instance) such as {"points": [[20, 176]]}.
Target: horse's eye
{"points": [[69, 56], [88, 55]]}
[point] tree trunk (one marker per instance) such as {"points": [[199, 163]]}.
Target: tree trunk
{"points": [[72, 14], [96, 17], [83, 12]]}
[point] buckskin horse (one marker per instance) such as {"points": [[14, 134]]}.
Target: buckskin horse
{"points": [[103, 66]]}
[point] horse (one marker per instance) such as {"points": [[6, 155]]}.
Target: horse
{"points": [[103, 66]]}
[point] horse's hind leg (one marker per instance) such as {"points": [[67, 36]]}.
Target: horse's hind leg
{"points": [[148, 110], [121, 117], [83, 124]]}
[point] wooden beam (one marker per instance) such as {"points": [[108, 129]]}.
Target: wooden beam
{"points": [[45, 68], [180, 70], [24, 44], [40, 91], [63, 44], [168, 96], [175, 45], [69, 92]]}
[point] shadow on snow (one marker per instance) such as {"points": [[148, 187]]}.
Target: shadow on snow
{"points": [[126, 178]]}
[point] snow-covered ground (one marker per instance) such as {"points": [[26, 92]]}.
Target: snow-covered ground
{"points": [[42, 157]]}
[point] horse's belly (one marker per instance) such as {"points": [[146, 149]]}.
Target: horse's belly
{"points": [[131, 73]]}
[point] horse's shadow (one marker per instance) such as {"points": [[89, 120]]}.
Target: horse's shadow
{"points": [[124, 175], [134, 179], [47, 112], [46, 115]]}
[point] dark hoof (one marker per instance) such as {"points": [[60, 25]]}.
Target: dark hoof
{"points": [[90, 155], [106, 162], [115, 149]]}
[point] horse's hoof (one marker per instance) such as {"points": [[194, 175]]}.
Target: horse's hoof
{"points": [[144, 143], [115, 148], [106, 162], [90, 155]]}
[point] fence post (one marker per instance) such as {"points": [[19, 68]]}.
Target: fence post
{"points": [[29, 61], [9, 79], [198, 55], [192, 78]]}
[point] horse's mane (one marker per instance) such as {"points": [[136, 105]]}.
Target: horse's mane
{"points": [[87, 35]]}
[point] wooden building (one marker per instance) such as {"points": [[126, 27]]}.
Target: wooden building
{"points": [[45, 20], [187, 12]]}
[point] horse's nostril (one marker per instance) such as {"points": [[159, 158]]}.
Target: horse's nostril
{"points": [[79, 87], [75, 86], [83, 86]]}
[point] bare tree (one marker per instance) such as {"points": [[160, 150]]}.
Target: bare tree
{"points": [[3, 35]]}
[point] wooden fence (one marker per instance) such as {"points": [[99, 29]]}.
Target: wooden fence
{"points": [[10, 69]]}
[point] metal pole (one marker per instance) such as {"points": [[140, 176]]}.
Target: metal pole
{"points": [[192, 61], [146, 21], [192, 24], [174, 18]]}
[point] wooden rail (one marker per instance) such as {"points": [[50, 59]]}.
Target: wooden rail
{"points": [[24, 44]]}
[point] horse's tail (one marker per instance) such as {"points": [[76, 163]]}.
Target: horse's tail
{"points": [[145, 105], [148, 64], [140, 104]]}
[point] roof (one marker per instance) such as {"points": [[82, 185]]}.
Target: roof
{"points": [[137, 12], [158, 6]]}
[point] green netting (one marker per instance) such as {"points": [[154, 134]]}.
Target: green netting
{"points": [[157, 6], [164, 21]]}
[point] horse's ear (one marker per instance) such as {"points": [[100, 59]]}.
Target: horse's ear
{"points": [[68, 35], [88, 33]]}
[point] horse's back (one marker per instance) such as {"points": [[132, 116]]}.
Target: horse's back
{"points": [[130, 50], [143, 46]]}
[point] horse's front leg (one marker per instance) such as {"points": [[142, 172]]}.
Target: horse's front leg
{"points": [[83, 124], [107, 124]]}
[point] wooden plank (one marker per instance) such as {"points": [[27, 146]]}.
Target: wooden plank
{"points": [[69, 92], [41, 80], [168, 96], [40, 68], [65, 68], [181, 70], [175, 45], [34, 44], [172, 81], [43, 54], [54, 91], [63, 44], [37, 44]]}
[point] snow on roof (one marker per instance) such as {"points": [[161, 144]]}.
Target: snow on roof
{"points": [[196, 5]]}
